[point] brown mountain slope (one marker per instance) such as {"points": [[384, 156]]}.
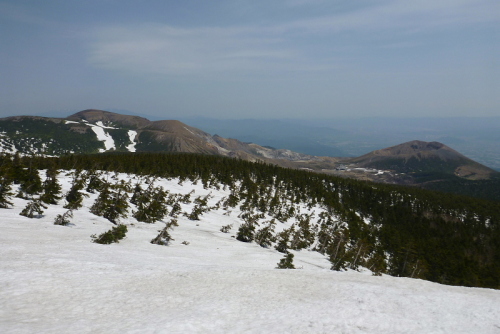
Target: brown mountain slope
{"points": [[175, 136], [419, 156]]}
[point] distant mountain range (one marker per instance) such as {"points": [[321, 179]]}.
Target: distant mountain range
{"points": [[97, 131]]}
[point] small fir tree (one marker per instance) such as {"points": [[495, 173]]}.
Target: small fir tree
{"points": [[95, 181], [30, 184], [51, 187], [116, 234], [226, 228], [246, 231], [286, 262], [63, 219], [75, 196], [164, 237], [35, 206], [151, 205], [265, 237], [5, 192], [112, 202]]}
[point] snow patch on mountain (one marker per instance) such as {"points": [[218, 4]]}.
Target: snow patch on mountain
{"points": [[100, 124], [6, 145], [132, 135], [103, 136]]}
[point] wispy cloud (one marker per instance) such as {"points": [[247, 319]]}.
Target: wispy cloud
{"points": [[165, 49], [160, 48], [405, 15]]}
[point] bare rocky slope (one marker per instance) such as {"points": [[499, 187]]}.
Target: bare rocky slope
{"points": [[419, 156]]}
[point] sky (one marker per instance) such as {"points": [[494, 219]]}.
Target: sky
{"points": [[251, 58]]}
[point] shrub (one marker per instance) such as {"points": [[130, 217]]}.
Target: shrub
{"points": [[286, 262], [226, 228], [164, 237], [246, 232], [35, 206], [114, 235], [64, 218]]}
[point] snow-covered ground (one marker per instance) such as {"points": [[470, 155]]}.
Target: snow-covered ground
{"points": [[53, 279]]}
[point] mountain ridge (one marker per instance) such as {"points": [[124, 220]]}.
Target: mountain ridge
{"points": [[97, 131]]}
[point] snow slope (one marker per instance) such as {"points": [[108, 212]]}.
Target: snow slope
{"points": [[54, 280]]}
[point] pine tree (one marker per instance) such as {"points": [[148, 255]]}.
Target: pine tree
{"points": [[283, 239], [74, 197], [265, 237], [112, 202], [246, 231], [116, 234], [35, 206], [30, 185], [51, 187], [5, 192], [151, 205], [286, 262], [164, 237], [94, 180], [63, 219]]}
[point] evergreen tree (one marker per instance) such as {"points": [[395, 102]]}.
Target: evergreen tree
{"points": [[94, 178], [74, 197], [116, 234], [51, 187], [30, 184], [286, 262], [5, 192], [34, 206], [265, 237], [164, 237], [63, 219], [112, 202], [283, 240], [151, 205], [246, 231]]}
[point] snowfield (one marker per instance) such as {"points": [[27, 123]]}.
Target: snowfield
{"points": [[53, 279]]}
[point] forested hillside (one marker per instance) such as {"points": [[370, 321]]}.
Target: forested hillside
{"points": [[388, 229]]}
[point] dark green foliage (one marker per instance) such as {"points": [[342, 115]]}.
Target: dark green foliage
{"points": [[286, 262], [34, 206], [112, 202], [151, 204], [200, 208], [74, 197], [247, 229], [176, 209], [51, 187], [283, 239], [265, 237], [44, 136], [116, 234], [30, 184], [164, 237], [94, 182], [5, 191], [246, 232], [63, 219]]}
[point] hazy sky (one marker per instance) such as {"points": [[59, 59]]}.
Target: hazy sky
{"points": [[251, 58]]}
